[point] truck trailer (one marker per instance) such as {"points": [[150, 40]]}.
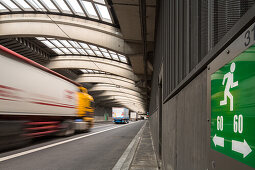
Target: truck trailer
{"points": [[120, 115], [133, 116], [36, 101]]}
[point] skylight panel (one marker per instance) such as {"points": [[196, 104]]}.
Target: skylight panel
{"points": [[115, 57], [58, 51], [89, 8], [2, 7], [123, 58], [48, 44], [76, 6], [65, 50], [49, 4], [107, 55], [90, 52], [65, 43], [103, 49], [56, 43], [40, 38], [95, 71], [111, 52], [74, 47], [100, 1], [75, 44], [84, 70], [98, 53], [84, 45], [62, 5], [23, 4], [90, 71], [36, 4], [103, 11], [73, 50], [82, 51], [11, 4], [93, 47]]}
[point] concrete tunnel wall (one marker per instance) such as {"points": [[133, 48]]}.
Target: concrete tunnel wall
{"points": [[101, 111]]}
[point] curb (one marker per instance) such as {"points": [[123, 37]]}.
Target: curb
{"points": [[127, 157]]}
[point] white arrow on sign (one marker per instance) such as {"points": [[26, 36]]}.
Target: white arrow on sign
{"points": [[241, 147], [218, 141]]}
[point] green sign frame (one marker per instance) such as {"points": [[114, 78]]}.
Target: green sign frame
{"points": [[232, 100]]}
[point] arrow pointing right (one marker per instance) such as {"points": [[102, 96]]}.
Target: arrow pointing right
{"points": [[241, 147], [218, 141]]}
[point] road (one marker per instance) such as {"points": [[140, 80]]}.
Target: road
{"points": [[99, 149]]}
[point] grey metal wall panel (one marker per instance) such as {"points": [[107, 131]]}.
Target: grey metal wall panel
{"points": [[184, 132], [191, 120], [154, 131], [169, 157]]}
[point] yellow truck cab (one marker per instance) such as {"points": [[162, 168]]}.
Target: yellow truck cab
{"points": [[85, 110]]}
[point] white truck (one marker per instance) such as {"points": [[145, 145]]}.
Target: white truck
{"points": [[133, 116], [36, 101], [120, 115]]}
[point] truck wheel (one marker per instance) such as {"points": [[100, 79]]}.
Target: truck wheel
{"points": [[67, 128], [13, 135]]}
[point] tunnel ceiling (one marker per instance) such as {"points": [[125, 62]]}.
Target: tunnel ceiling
{"points": [[98, 43], [89, 9]]}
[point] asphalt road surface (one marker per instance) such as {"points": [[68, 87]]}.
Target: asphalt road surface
{"points": [[99, 149]]}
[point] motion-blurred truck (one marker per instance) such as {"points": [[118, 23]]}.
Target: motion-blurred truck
{"points": [[133, 116], [36, 101], [120, 115]]}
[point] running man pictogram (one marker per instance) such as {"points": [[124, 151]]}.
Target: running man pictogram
{"points": [[229, 84]]}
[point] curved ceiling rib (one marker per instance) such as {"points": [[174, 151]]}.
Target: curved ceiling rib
{"points": [[113, 88], [134, 107], [42, 26], [131, 104], [81, 62], [119, 100], [109, 79], [112, 93]]}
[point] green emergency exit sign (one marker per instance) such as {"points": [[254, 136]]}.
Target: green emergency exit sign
{"points": [[233, 108]]}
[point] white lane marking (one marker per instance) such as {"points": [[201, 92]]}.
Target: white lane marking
{"points": [[109, 125], [55, 144], [95, 127]]}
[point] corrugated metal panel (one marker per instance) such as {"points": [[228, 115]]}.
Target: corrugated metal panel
{"points": [[225, 14], [157, 61], [186, 31]]}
